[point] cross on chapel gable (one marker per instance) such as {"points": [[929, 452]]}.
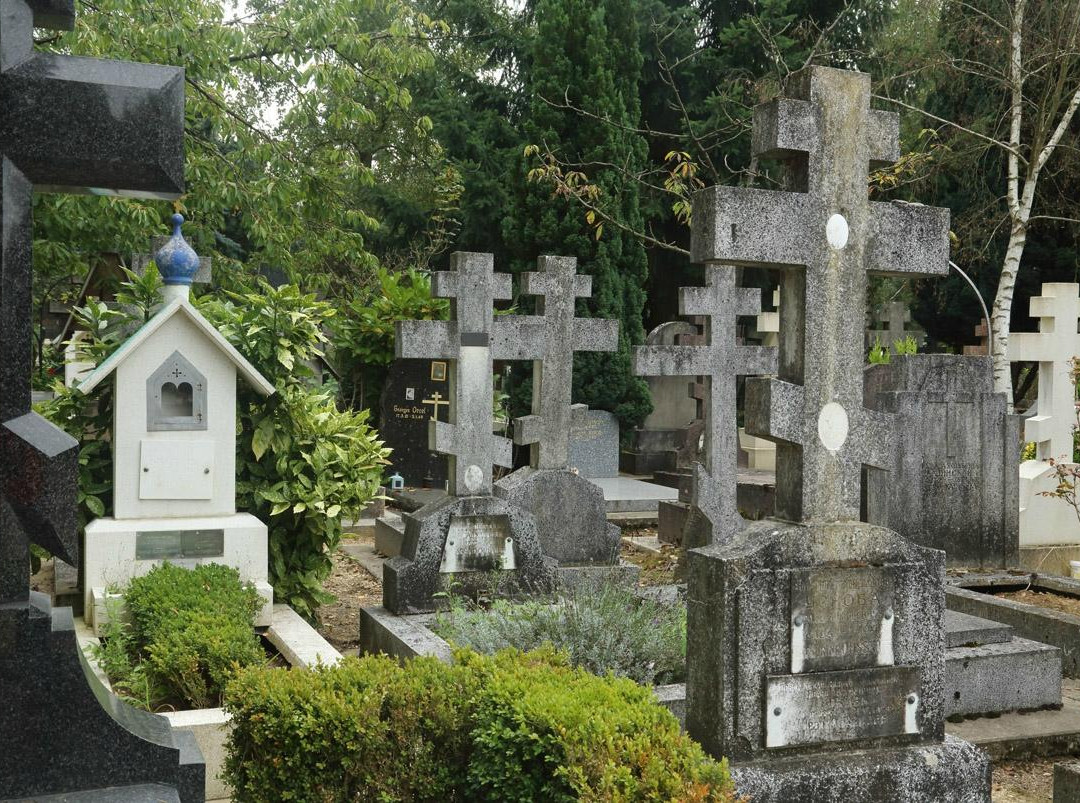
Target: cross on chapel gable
{"points": [[557, 285], [1054, 347], [719, 361], [75, 125], [825, 236]]}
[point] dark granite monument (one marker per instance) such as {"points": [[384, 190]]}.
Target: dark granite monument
{"points": [[953, 484], [815, 644], [568, 509], [415, 392], [472, 537], [71, 125], [719, 361]]}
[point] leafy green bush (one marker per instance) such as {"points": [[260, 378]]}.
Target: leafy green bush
{"points": [[510, 727], [186, 632], [363, 336], [301, 463], [602, 628]]}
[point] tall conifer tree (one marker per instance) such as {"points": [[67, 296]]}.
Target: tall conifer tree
{"points": [[586, 54]]}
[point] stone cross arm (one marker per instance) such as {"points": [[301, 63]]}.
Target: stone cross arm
{"points": [[446, 438], [529, 429], [422, 340], [783, 127], [116, 105], [754, 227], [777, 410]]}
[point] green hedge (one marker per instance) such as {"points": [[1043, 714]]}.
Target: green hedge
{"points": [[510, 727], [186, 632]]}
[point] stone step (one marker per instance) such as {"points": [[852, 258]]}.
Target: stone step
{"points": [[1014, 675], [389, 534], [965, 630]]}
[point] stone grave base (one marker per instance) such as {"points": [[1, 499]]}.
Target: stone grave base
{"points": [[118, 550], [569, 512], [952, 771], [299, 644], [1045, 521], [61, 733], [967, 594], [469, 545]]}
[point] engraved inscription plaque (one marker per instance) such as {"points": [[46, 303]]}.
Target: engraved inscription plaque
{"points": [[842, 618], [478, 544], [179, 544], [856, 704]]}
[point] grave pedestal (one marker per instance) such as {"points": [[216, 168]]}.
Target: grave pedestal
{"points": [[569, 513], [118, 550], [59, 732], [816, 665], [1044, 520], [467, 544]]}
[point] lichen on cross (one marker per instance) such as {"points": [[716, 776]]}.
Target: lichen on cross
{"points": [[719, 361], [558, 285], [826, 236], [471, 340]]}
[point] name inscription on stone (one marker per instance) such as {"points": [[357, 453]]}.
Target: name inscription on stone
{"points": [[852, 705], [478, 544], [179, 544], [841, 618]]}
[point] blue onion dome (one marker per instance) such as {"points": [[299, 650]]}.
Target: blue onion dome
{"points": [[177, 261]]}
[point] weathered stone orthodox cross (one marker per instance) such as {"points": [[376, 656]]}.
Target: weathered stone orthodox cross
{"points": [[894, 316], [720, 361], [67, 124], [470, 341], [1053, 347], [826, 236], [557, 286]]}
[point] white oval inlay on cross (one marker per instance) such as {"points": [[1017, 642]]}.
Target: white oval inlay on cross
{"points": [[836, 232], [474, 478], [832, 426]]}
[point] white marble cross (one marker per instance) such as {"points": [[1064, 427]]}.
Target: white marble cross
{"points": [[1053, 347], [825, 236]]}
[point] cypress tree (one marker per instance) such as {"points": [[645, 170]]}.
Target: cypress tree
{"points": [[587, 53]]}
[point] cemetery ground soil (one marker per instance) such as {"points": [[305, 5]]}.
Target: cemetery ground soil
{"points": [[1024, 781], [354, 587], [1062, 603]]}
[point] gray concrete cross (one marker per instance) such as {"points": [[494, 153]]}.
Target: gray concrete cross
{"points": [[558, 285], [67, 124], [826, 235], [470, 341], [720, 361]]}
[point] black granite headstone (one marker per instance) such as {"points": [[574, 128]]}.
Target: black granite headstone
{"points": [[66, 124], [414, 392]]}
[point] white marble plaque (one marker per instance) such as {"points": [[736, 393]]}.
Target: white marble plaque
{"points": [[478, 544], [852, 705]]}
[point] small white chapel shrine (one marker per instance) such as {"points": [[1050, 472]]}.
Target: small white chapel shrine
{"points": [[174, 449]]}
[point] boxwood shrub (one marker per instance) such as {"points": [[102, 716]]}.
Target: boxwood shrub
{"points": [[185, 632], [510, 727]]}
